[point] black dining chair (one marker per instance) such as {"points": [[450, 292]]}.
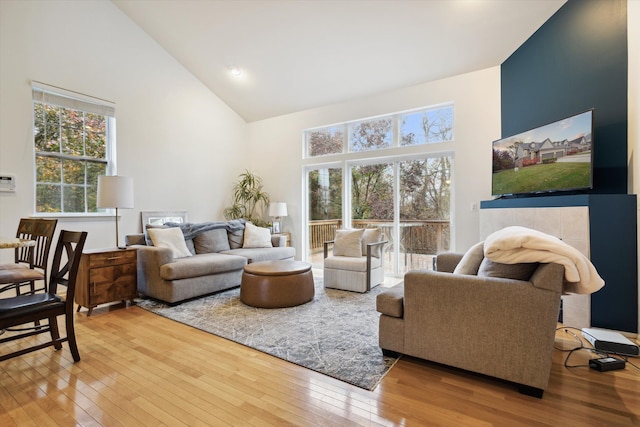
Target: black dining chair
{"points": [[21, 309], [30, 264]]}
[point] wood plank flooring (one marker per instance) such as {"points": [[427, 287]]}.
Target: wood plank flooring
{"points": [[139, 369]]}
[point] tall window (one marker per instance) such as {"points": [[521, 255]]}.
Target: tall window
{"points": [[375, 177], [425, 126], [74, 139]]}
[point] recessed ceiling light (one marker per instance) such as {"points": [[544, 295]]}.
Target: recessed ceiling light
{"points": [[234, 70]]}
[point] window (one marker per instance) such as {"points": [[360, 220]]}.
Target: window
{"points": [[404, 191], [425, 126], [74, 139], [371, 135], [325, 141]]}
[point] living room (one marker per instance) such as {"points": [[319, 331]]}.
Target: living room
{"points": [[176, 163]]}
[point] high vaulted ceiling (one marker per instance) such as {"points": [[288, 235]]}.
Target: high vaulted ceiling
{"points": [[301, 54]]}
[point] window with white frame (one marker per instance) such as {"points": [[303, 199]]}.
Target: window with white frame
{"points": [[74, 141], [424, 126], [404, 191]]}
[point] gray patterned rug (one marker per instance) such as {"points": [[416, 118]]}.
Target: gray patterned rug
{"points": [[336, 334]]}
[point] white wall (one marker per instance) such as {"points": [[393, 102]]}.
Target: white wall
{"points": [[181, 144], [276, 144]]}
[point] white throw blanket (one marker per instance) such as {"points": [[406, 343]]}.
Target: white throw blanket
{"points": [[513, 245]]}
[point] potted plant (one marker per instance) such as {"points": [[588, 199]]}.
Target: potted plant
{"points": [[249, 200]]}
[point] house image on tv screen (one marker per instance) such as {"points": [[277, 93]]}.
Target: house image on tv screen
{"points": [[546, 151], [554, 157]]}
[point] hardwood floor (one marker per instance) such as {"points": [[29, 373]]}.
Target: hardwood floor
{"points": [[141, 369]]}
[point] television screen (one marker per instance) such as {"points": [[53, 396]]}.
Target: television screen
{"points": [[553, 157]]}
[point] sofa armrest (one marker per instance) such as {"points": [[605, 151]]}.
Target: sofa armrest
{"points": [[549, 277], [153, 256], [372, 246], [326, 246], [278, 241], [135, 239], [150, 259], [447, 261]]}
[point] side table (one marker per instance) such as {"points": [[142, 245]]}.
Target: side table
{"points": [[106, 275]]}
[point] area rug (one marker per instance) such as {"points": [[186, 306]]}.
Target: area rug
{"points": [[335, 334]]}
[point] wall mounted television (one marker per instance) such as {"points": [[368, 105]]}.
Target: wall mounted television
{"points": [[557, 157]]}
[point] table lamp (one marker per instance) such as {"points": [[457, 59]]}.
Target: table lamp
{"points": [[277, 210], [115, 192]]}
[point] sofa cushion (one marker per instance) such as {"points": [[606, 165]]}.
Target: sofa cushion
{"points": [[521, 271], [391, 301], [201, 265], [371, 235], [256, 237], [211, 241], [348, 243], [147, 238], [236, 238], [263, 254], [470, 262], [171, 238], [350, 263]]}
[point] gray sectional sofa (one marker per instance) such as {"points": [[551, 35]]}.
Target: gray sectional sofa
{"points": [[216, 262]]}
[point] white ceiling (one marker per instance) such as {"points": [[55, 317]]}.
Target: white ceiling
{"points": [[301, 54]]}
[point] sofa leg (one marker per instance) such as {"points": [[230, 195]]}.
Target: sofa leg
{"points": [[530, 391], [390, 353]]}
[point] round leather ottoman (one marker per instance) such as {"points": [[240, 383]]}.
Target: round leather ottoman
{"points": [[276, 284]]}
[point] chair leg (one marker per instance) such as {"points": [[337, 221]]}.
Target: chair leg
{"points": [[71, 337], [55, 333]]}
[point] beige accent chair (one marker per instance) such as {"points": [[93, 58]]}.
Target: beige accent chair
{"points": [[496, 326], [357, 261]]}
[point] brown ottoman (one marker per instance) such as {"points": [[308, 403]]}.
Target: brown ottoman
{"points": [[276, 284]]}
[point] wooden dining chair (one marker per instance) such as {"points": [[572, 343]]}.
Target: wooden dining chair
{"points": [[30, 264], [21, 309]]}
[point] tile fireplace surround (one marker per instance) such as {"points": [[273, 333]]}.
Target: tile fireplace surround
{"points": [[570, 224]]}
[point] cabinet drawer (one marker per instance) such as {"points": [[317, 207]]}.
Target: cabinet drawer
{"points": [[112, 283], [112, 258]]}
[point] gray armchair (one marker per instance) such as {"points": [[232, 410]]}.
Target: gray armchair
{"points": [[500, 327], [357, 261]]}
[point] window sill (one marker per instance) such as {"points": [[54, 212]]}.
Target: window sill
{"points": [[76, 216]]}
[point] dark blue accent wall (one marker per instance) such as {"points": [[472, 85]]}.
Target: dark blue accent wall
{"points": [[576, 61]]}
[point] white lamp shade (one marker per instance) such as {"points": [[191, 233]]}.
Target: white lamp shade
{"points": [[278, 209], [115, 192]]}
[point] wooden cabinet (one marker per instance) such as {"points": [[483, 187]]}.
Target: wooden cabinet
{"points": [[106, 275]]}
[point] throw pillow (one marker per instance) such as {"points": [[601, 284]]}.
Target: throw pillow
{"points": [[470, 262], [348, 243], [235, 238], [371, 235], [188, 242], [171, 238], [521, 271], [256, 237], [147, 238], [211, 241]]}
